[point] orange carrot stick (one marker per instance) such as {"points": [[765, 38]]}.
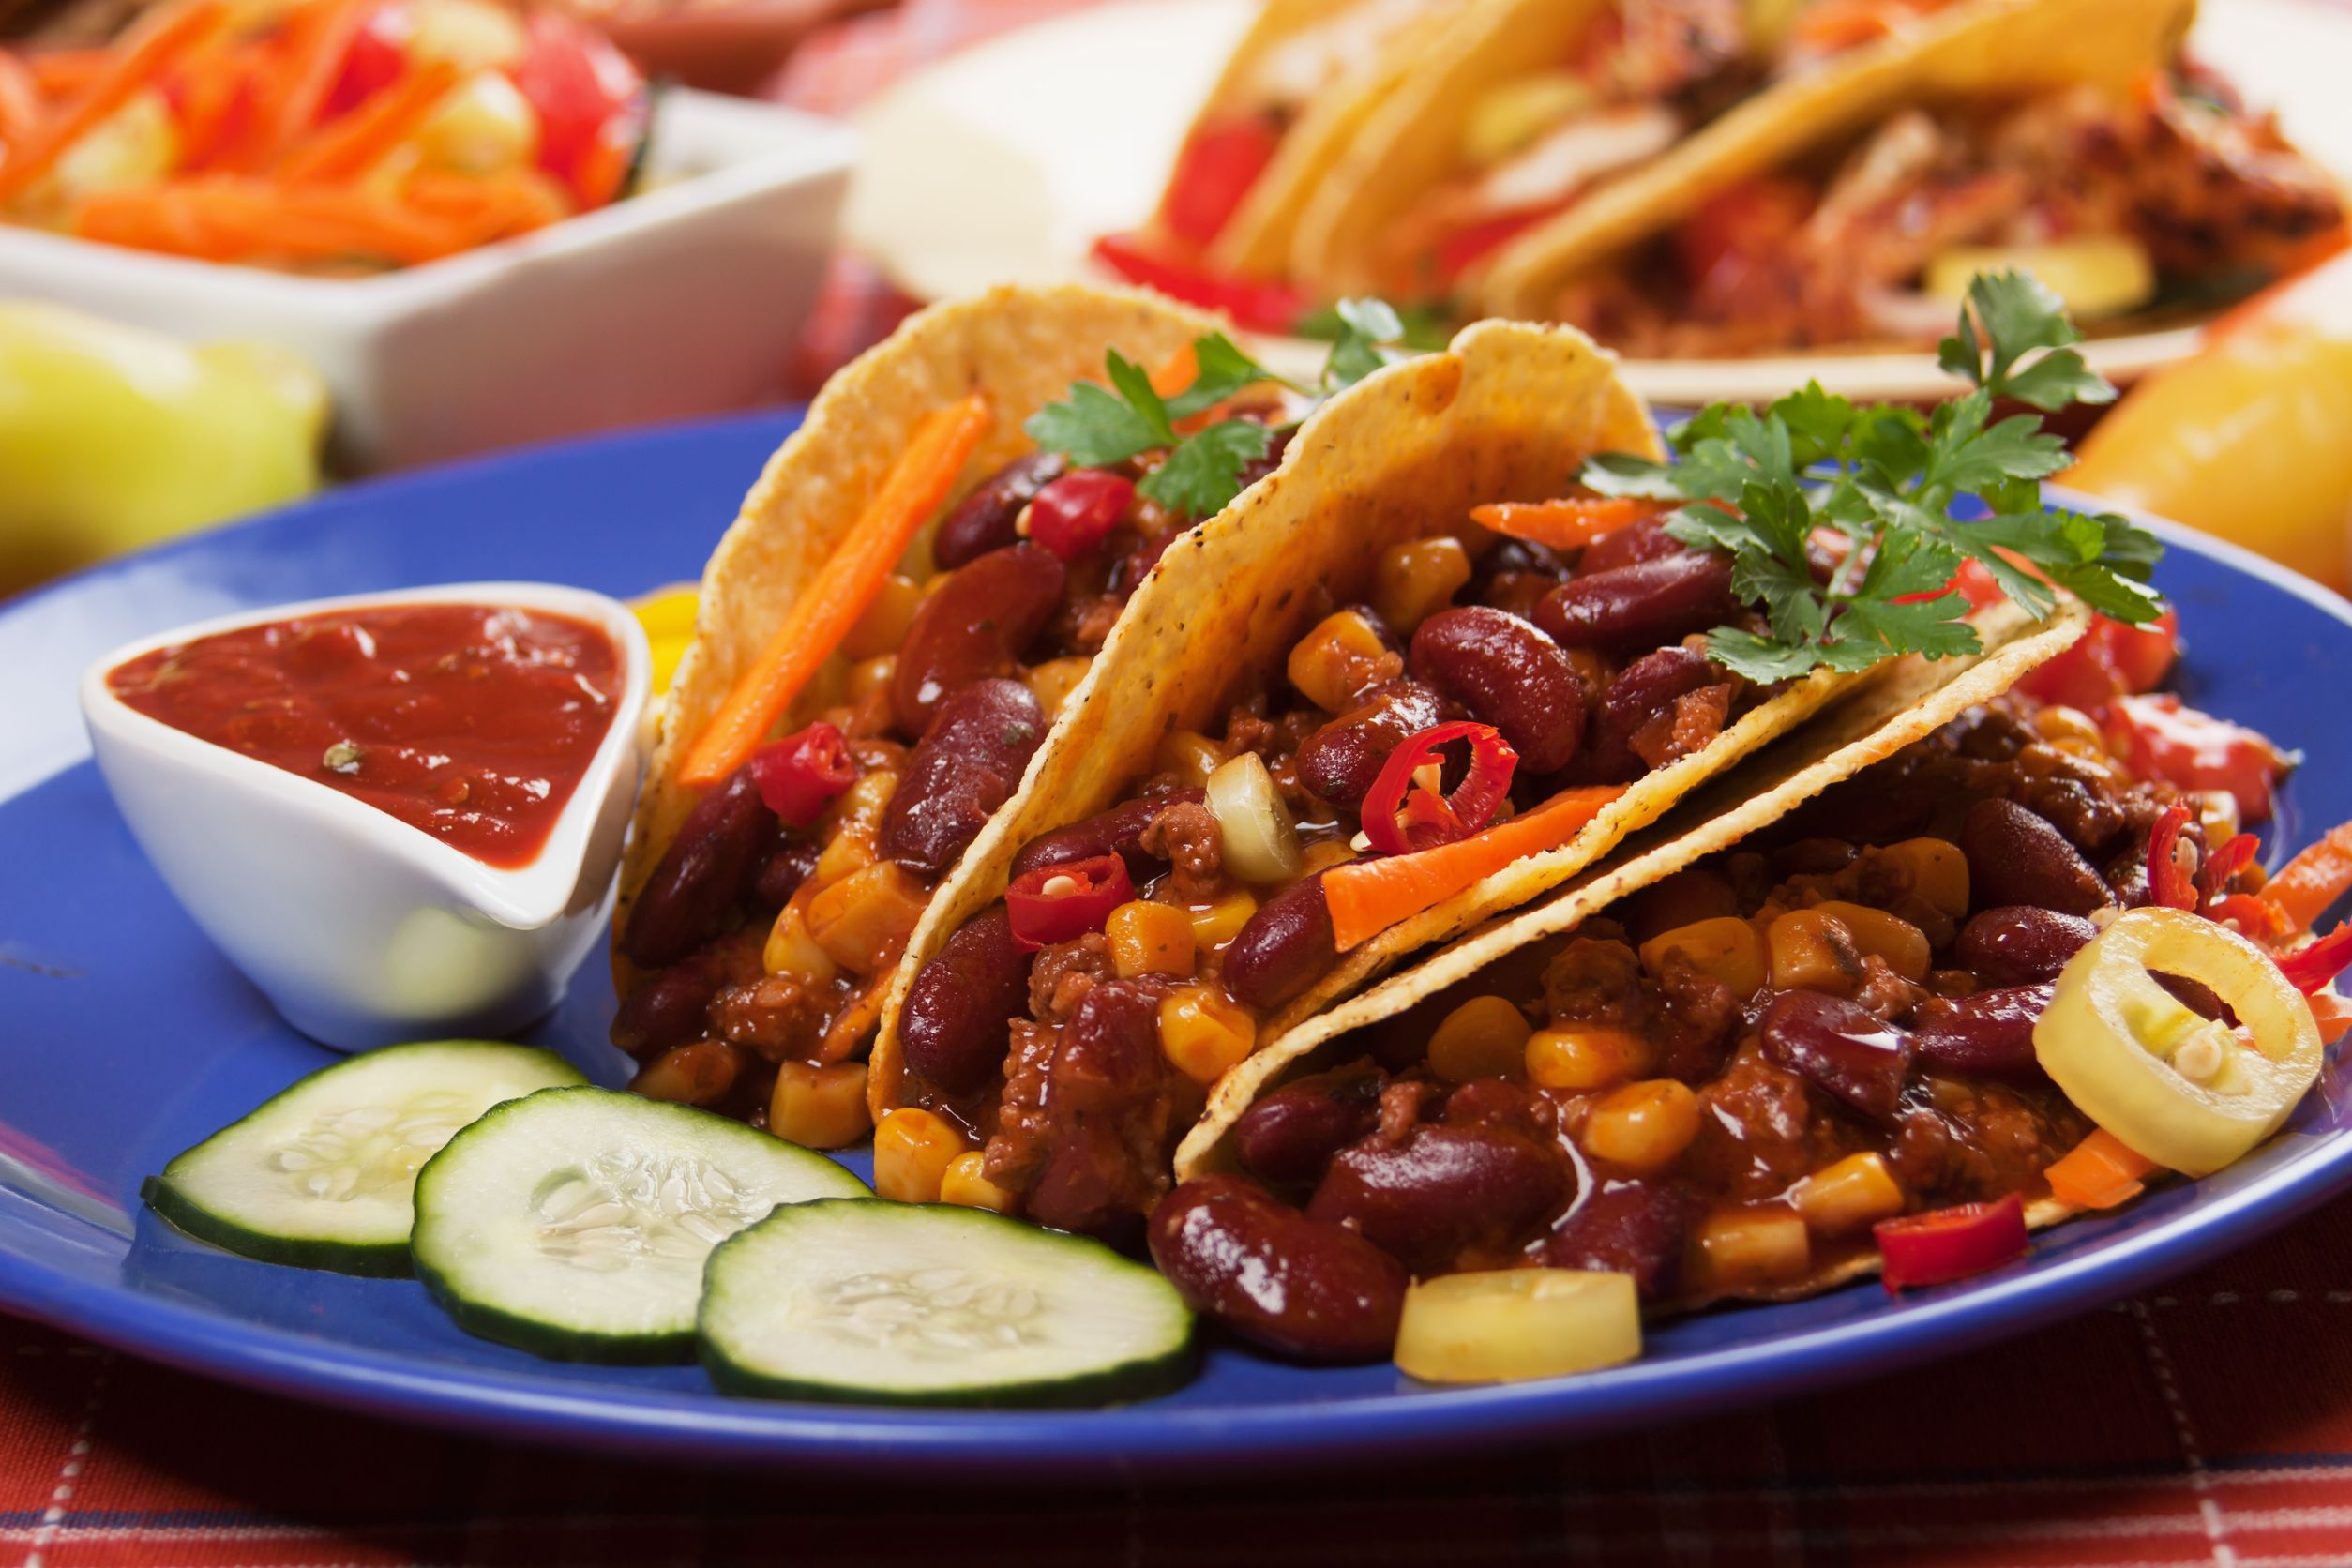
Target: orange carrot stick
{"points": [[2099, 1173], [845, 586], [1570, 523], [1176, 372], [20, 100], [2333, 1014], [1367, 897], [146, 57], [354, 143], [317, 37], [63, 72], [2315, 879]]}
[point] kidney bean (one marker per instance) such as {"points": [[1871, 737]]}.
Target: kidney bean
{"points": [[1291, 1134], [1641, 606], [972, 628], [668, 1009], [1117, 831], [2017, 944], [2015, 857], [2087, 818], [1637, 694], [2126, 873], [967, 765], [1990, 1032], [1507, 674], [1139, 554], [1626, 1226], [2196, 996], [984, 520], [1274, 1277], [701, 876], [1340, 760], [1105, 1095], [1442, 1190], [1631, 544], [785, 870], [1282, 949], [1500, 1105], [1841, 1046], [1257, 468], [952, 1028]]}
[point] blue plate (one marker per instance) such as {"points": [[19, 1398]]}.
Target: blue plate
{"points": [[130, 1037]]}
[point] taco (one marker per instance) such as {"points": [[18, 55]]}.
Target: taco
{"points": [[1291, 98], [1850, 205], [1873, 1003], [907, 598], [1347, 661]]}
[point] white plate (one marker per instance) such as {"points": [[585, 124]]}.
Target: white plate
{"points": [[1003, 164]]}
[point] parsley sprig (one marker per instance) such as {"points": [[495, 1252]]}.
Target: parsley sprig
{"points": [[1098, 425], [1888, 479]]}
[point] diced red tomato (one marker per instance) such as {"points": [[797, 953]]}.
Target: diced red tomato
{"points": [[1215, 171], [2163, 739], [590, 100], [1466, 247], [377, 55], [1945, 1245], [2110, 660], [1259, 307]]}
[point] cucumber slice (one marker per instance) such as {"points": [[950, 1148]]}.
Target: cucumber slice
{"points": [[320, 1176], [913, 1304], [574, 1223]]}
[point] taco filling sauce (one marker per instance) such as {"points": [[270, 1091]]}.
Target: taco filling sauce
{"points": [[1491, 690], [1812, 1051], [766, 935]]}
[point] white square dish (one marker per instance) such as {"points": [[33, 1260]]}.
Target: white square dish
{"points": [[679, 301]]}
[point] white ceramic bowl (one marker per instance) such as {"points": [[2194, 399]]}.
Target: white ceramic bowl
{"points": [[684, 300], [361, 929]]}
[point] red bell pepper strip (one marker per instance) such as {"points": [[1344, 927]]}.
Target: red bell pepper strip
{"points": [[2310, 968], [1215, 169], [1055, 903], [1945, 1245], [2223, 866], [1259, 307], [803, 773], [1431, 817], [2168, 882]]}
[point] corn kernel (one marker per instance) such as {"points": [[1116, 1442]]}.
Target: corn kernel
{"points": [[844, 855], [1413, 581], [1738, 1248], [966, 1181], [1584, 1056], [1203, 1031], [698, 1073], [1150, 939], [1214, 925], [883, 627], [2058, 722], [1323, 856], [850, 826], [1876, 932], [1339, 658], [2217, 810], [1052, 682], [912, 1149], [870, 675], [1804, 954], [863, 920], [791, 950], [819, 1108], [1642, 1127], [1857, 1191], [1939, 873], [1189, 755], [1485, 1037], [1724, 948]]}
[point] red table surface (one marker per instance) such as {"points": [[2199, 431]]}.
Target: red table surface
{"points": [[2209, 1423]]}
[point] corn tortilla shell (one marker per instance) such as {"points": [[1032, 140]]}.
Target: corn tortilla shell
{"points": [[1021, 348], [1981, 49]]}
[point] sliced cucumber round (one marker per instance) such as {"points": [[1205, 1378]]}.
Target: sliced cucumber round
{"points": [[575, 1223], [320, 1176], [916, 1303]]}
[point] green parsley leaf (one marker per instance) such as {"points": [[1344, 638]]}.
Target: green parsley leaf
{"points": [[1223, 370], [1204, 470], [1364, 325], [1888, 481]]}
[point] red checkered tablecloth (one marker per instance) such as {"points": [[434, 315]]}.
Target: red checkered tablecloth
{"points": [[2208, 1423]]}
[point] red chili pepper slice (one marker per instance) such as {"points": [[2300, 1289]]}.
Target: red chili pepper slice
{"points": [[1945, 1245], [1400, 817], [2167, 884], [1077, 512], [799, 775], [2310, 967], [1055, 903], [2259, 919], [1259, 307], [2236, 853]]}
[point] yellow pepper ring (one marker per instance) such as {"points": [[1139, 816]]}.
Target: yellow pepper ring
{"points": [[2186, 1092]]}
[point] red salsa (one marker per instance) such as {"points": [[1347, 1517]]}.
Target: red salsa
{"points": [[474, 722]]}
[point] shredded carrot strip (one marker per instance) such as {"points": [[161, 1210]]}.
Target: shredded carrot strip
{"points": [[487, 207], [63, 72], [317, 36], [215, 105], [2099, 1173], [600, 173], [145, 57], [845, 586], [1570, 523], [230, 218], [352, 145], [1176, 372], [20, 100], [1838, 24], [2333, 1014], [2315, 879], [1367, 897]]}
